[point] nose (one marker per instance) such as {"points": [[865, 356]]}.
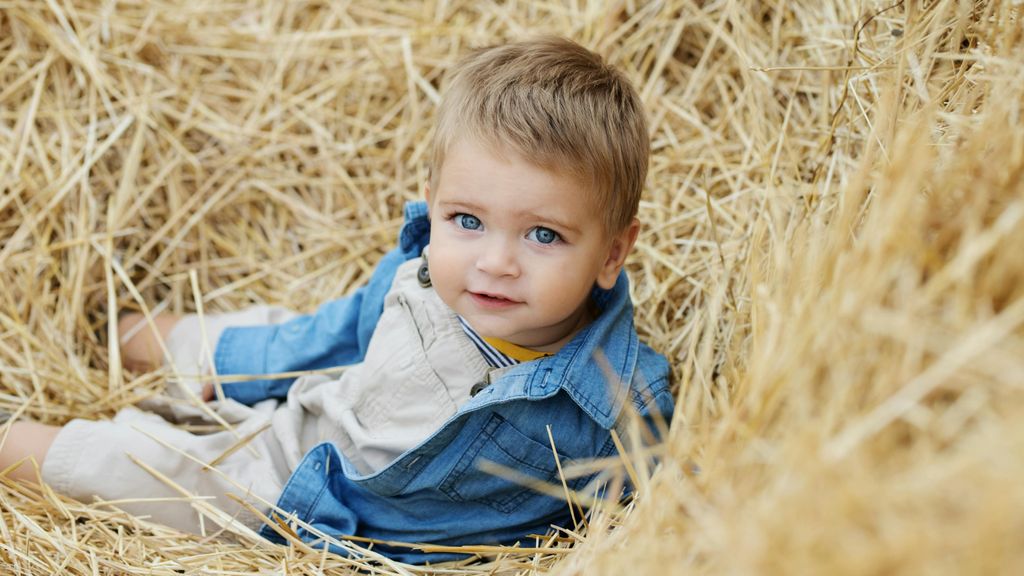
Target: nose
{"points": [[499, 258]]}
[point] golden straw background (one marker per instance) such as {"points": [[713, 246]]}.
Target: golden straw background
{"points": [[832, 255]]}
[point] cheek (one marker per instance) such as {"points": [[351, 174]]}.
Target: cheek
{"points": [[444, 267], [567, 282]]}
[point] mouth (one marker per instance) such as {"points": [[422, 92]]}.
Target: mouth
{"points": [[493, 301]]}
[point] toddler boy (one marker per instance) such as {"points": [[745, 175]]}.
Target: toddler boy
{"points": [[515, 322]]}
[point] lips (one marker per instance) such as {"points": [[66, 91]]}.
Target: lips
{"points": [[492, 301]]}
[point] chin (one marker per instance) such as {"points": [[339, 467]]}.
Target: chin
{"points": [[490, 327]]}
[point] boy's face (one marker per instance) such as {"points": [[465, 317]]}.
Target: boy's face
{"points": [[515, 249]]}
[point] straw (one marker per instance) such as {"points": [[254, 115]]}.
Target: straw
{"points": [[829, 258]]}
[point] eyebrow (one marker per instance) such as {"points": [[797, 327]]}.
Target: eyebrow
{"points": [[461, 205], [474, 207], [557, 223]]}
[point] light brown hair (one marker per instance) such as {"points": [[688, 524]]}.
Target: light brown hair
{"points": [[559, 106]]}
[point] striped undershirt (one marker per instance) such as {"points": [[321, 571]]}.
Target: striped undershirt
{"points": [[499, 353]]}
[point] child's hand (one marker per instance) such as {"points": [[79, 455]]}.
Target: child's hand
{"points": [[207, 392], [141, 351]]}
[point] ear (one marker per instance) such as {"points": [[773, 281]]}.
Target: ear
{"points": [[426, 193], [619, 248]]}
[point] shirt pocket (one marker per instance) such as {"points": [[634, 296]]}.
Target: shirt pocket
{"points": [[501, 443]]}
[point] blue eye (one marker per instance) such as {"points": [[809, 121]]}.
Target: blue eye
{"points": [[543, 235], [467, 222]]}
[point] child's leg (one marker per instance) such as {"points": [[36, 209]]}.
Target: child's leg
{"points": [[142, 350], [26, 440], [134, 458]]}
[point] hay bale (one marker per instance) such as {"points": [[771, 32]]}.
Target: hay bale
{"points": [[831, 255]]}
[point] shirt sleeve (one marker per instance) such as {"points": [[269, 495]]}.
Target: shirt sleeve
{"points": [[335, 335]]}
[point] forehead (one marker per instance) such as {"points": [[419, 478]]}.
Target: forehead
{"points": [[492, 174]]}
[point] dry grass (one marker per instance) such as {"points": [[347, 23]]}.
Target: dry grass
{"points": [[832, 255]]}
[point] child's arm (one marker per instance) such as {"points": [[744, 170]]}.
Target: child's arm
{"points": [[265, 339], [337, 334]]}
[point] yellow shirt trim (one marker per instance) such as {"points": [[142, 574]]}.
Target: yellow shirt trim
{"points": [[515, 351]]}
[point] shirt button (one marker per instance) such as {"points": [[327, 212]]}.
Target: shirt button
{"points": [[477, 388], [423, 274]]}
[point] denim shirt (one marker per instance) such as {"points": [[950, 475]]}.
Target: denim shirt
{"points": [[437, 493]]}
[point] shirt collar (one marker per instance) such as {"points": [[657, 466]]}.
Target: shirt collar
{"points": [[415, 232], [596, 367]]}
